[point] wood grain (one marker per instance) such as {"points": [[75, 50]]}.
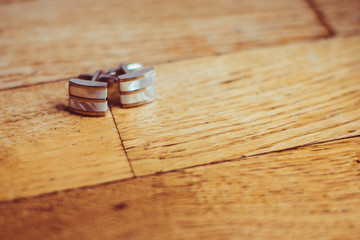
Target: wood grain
{"points": [[308, 193], [218, 108], [342, 16], [45, 148], [43, 41]]}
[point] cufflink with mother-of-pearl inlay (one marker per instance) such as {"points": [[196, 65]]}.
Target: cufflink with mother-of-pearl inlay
{"points": [[128, 84], [88, 97], [137, 88]]}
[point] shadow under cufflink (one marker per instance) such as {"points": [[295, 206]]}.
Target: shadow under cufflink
{"points": [[62, 107]]}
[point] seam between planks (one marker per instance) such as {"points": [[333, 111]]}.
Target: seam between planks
{"points": [[17, 200], [321, 17], [253, 47], [122, 142], [252, 155]]}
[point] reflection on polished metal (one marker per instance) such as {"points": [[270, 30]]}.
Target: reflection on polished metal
{"points": [[137, 84], [139, 97], [131, 76], [134, 66], [88, 97], [137, 80], [87, 89], [90, 107]]}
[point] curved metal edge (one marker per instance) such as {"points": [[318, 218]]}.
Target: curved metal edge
{"points": [[131, 76]]}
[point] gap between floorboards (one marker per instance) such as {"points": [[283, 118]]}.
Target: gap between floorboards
{"points": [[16, 200]]}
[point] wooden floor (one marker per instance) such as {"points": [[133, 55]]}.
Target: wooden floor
{"points": [[255, 133]]}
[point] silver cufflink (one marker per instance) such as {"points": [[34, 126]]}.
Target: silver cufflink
{"points": [[137, 88], [88, 97], [128, 85]]}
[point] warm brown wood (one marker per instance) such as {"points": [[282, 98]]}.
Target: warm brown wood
{"points": [[45, 40], [307, 193], [45, 148], [218, 108], [222, 122], [343, 16]]}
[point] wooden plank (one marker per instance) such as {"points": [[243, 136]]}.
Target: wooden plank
{"points": [[70, 37], [342, 16], [44, 148], [308, 193], [218, 108]]}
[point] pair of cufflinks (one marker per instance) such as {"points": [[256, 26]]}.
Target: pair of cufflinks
{"points": [[128, 84]]}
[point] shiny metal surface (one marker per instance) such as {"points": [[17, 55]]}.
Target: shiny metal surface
{"points": [[86, 83], [89, 97], [134, 66], [131, 76], [144, 95], [89, 92], [87, 89], [87, 106], [137, 84]]}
